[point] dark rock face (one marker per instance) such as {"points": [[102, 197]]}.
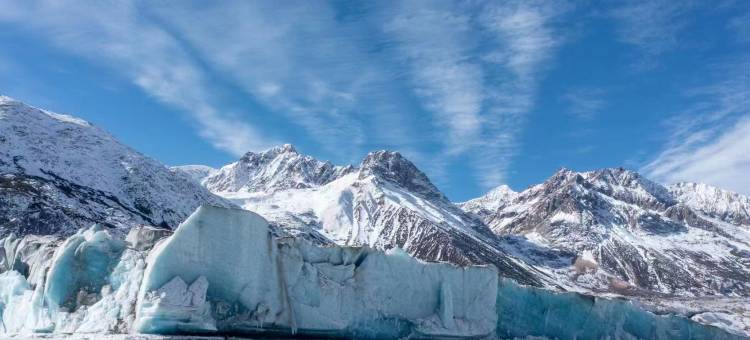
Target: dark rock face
{"points": [[393, 167]]}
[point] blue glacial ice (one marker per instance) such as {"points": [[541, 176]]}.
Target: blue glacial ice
{"points": [[223, 271], [87, 284]]}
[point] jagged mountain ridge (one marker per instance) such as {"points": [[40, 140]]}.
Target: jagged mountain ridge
{"points": [[631, 235], [384, 202], [59, 173], [721, 204], [278, 168]]}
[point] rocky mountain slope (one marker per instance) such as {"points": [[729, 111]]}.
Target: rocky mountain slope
{"points": [[59, 174], [630, 235], [384, 202]]}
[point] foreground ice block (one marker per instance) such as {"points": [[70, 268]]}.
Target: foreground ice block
{"points": [[86, 284], [222, 270]]}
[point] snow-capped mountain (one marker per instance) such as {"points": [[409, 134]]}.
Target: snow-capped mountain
{"points": [[724, 205], [384, 202], [276, 169], [59, 173], [631, 235]]}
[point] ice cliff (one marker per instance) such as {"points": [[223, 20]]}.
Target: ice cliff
{"points": [[224, 271]]}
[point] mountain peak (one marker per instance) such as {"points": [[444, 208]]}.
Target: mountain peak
{"points": [[278, 168], [284, 148], [23, 112], [394, 167]]}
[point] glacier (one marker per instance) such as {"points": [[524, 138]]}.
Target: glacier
{"points": [[226, 271], [243, 279]]}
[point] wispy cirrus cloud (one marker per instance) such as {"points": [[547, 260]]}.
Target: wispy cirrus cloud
{"points": [[347, 89], [435, 80], [709, 142], [116, 35], [437, 44], [528, 36], [296, 59]]}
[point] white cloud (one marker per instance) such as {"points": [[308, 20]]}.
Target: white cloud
{"points": [[723, 161], [709, 142], [349, 80], [115, 34], [437, 44], [476, 67], [525, 33], [295, 59]]}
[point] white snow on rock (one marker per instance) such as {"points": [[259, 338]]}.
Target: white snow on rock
{"points": [[224, 271], [256, 281], [278, 168], [383, 203]]}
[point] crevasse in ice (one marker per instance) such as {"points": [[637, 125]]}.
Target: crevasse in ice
{"points": [[222, 271]]}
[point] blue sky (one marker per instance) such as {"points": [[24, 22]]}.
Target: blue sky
{"points": [[477, 93]]}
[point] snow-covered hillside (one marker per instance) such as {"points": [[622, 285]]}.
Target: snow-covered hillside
{"points": [[59, 173], [630, 235], [603, 232]]}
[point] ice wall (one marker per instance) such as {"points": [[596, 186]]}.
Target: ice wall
{"points": [[254, 282], [527, 312]]}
